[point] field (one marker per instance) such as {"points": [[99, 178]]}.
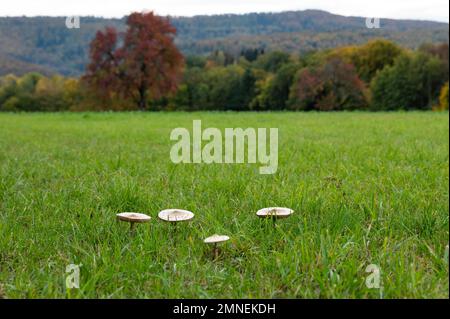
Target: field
{"points": [[367, 188]]}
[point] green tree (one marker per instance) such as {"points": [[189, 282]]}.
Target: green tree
{"points": [[247, 89], [275, 92], [272, 61], [413, 82], [8, 89], [439, 51], [24, 93], [227, 88]]}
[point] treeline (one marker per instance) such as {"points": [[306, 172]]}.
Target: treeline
{"points": [[378, 75]]}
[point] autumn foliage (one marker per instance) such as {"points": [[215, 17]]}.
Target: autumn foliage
{"points": [[141, 64], [334, 86], [126, 73]]}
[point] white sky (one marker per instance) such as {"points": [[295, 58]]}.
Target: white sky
{"points": [[396, 9]]}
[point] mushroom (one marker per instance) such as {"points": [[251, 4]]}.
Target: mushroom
{"points": [[133, 218], [274, 213], [215, 240], [175, 215]]}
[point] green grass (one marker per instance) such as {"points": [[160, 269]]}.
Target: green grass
{"points": [[366, 189]]}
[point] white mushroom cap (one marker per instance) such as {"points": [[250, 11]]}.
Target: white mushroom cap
{"points": [[214, 239], [133, 217], [274, 212], [175, 215]]}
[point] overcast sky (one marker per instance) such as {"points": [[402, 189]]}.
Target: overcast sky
{"points": [[398, 9]]}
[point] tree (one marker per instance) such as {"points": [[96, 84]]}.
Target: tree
{"points": [[247, 89], [413, 82], [197, 88], [49, 94], [193, 61], [221, 58], [272, 61], [443, 98], [334, 86], [374, 57], [147, 65], [439, 51], [8, 89], [225, 88], [370, 58], [275, 92], [24, 93], [251, 54]]}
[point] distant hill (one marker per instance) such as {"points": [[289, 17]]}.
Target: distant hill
{"points": [[10, 65], [45, 44]]}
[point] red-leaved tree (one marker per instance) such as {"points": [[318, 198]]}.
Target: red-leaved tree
{"points": [[333, 86], [139, 64]]}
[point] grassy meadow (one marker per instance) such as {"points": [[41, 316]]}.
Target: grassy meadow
{"points": [[366, 188]]}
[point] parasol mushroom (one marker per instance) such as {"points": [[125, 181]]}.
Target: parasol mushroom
{"points": [[133, 218], [175, 215], [274, 213], [215, 240]]}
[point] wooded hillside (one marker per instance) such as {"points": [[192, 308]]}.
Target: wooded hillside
{"points": [[45, 45]]}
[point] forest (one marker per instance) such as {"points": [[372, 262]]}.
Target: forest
{"points": [[378, 75]]}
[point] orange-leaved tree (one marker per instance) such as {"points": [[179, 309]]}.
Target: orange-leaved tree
{"points": [[142, 63]]}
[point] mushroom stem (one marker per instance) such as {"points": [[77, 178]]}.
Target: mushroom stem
{"points": [[216, 251], [174, 234], [133, 218], [274, 221], [215, 240], [174, 227]]}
